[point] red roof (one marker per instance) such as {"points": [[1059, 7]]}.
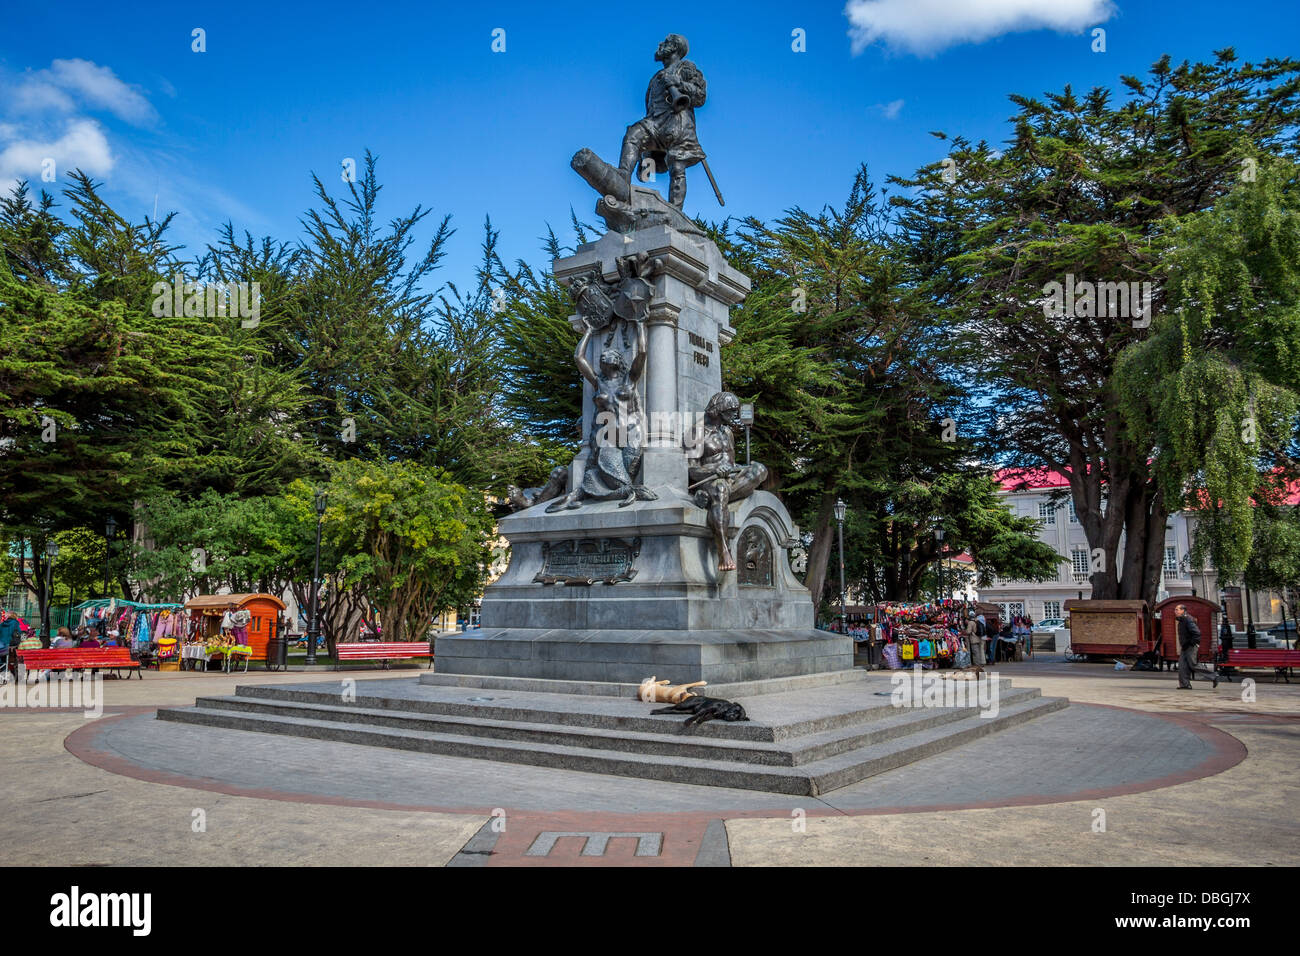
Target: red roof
{"points": [[1029, 479], [1290, 495], [1034, 479]]}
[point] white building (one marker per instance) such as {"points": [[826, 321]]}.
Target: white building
{"points": [[1029, 493]]}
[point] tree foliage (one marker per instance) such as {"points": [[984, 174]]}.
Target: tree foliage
{"points": [[1091, 189], [409, 537]]}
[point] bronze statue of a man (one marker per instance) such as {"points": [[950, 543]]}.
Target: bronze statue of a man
{"points": [[715, 477], [667, 133]]}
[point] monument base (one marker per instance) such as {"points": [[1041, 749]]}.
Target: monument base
{"points": [[630, 656]]}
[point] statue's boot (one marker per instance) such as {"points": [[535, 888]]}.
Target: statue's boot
{"points": [[677, 186], [629, 157]]}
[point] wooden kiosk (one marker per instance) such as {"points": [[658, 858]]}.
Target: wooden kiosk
{"points": [[1109, 628], [264, 616]]}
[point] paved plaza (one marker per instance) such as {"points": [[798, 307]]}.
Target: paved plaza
{"points": [[1125, 775]]}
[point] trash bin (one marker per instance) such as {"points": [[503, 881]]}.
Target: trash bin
{"points": [[277, 651]]}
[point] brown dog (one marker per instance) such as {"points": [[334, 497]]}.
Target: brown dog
{"points": [[662, 692]]}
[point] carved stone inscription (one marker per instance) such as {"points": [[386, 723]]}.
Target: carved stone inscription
{"points": [[700, 342], [588, 561]]}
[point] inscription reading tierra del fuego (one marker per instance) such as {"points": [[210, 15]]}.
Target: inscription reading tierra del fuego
{"points": [[699, 342]]}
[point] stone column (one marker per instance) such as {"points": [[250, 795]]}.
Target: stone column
{"points": [[664, 463]]}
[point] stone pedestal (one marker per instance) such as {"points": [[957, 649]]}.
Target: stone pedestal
{"points": [[653, 601]]}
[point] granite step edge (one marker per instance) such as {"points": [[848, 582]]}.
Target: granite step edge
{"points": [[667, 737], [636, 723], [543, 685], [766, 730], [820, 777], [671, 741], [671, 770], [848, 768], [909, 720]]}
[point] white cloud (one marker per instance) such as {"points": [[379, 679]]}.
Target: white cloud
{"points": [[67, 83], [82, 144], [927, 26], [99, 86], [891, 109], [45, 117], [37, 96]]}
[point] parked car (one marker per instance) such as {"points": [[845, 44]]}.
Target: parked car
{"points": [[1051, 634]]}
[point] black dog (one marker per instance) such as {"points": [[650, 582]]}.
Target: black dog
{"points": [[705, 708]]}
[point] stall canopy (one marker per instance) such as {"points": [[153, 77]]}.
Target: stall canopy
{"points": [[133, 605]]}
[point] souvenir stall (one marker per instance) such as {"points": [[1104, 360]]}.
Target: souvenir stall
{"points": [[928, 634], [153, 632], [231, 629]]}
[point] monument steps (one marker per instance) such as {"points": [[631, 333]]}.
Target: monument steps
{"points": [[731, 691], [804, 755], [863, 706], [667, 740]]}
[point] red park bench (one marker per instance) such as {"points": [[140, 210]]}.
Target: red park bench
{"points": [[380, 651], [78, 659], [1277, 658]]}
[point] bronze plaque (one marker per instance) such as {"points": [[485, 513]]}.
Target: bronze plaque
{"points": [[754, 558], [588, 561]]}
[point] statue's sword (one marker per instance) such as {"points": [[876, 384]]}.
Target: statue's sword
{"points": [[712, 182]]}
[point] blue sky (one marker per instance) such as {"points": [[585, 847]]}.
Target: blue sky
{"points": [[285, 89]]}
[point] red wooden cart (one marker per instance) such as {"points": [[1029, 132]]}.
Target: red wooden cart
{"points": [[1206, 615], [1109, 629]]}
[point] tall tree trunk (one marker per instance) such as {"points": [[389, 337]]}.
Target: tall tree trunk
{"points": [[1144, 545], [1103, 524], [819, 553]]}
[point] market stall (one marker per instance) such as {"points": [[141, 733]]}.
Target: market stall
{"points": [[927, 634], [153, 632], [231, 628]]}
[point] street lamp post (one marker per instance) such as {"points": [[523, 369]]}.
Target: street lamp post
{"points": [[938, 537], [1079, 578], [1250, 618], [841, 510], [51, 552], [110, 528], [747, 419], [313, 632]]}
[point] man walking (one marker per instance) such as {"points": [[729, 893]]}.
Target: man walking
{"points": [[1189, 644]]}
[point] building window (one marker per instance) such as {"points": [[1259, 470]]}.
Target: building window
{"points": [[1171, 561], [1079, 562], [1051, 609], [1047, 512], [1074, 515]]}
